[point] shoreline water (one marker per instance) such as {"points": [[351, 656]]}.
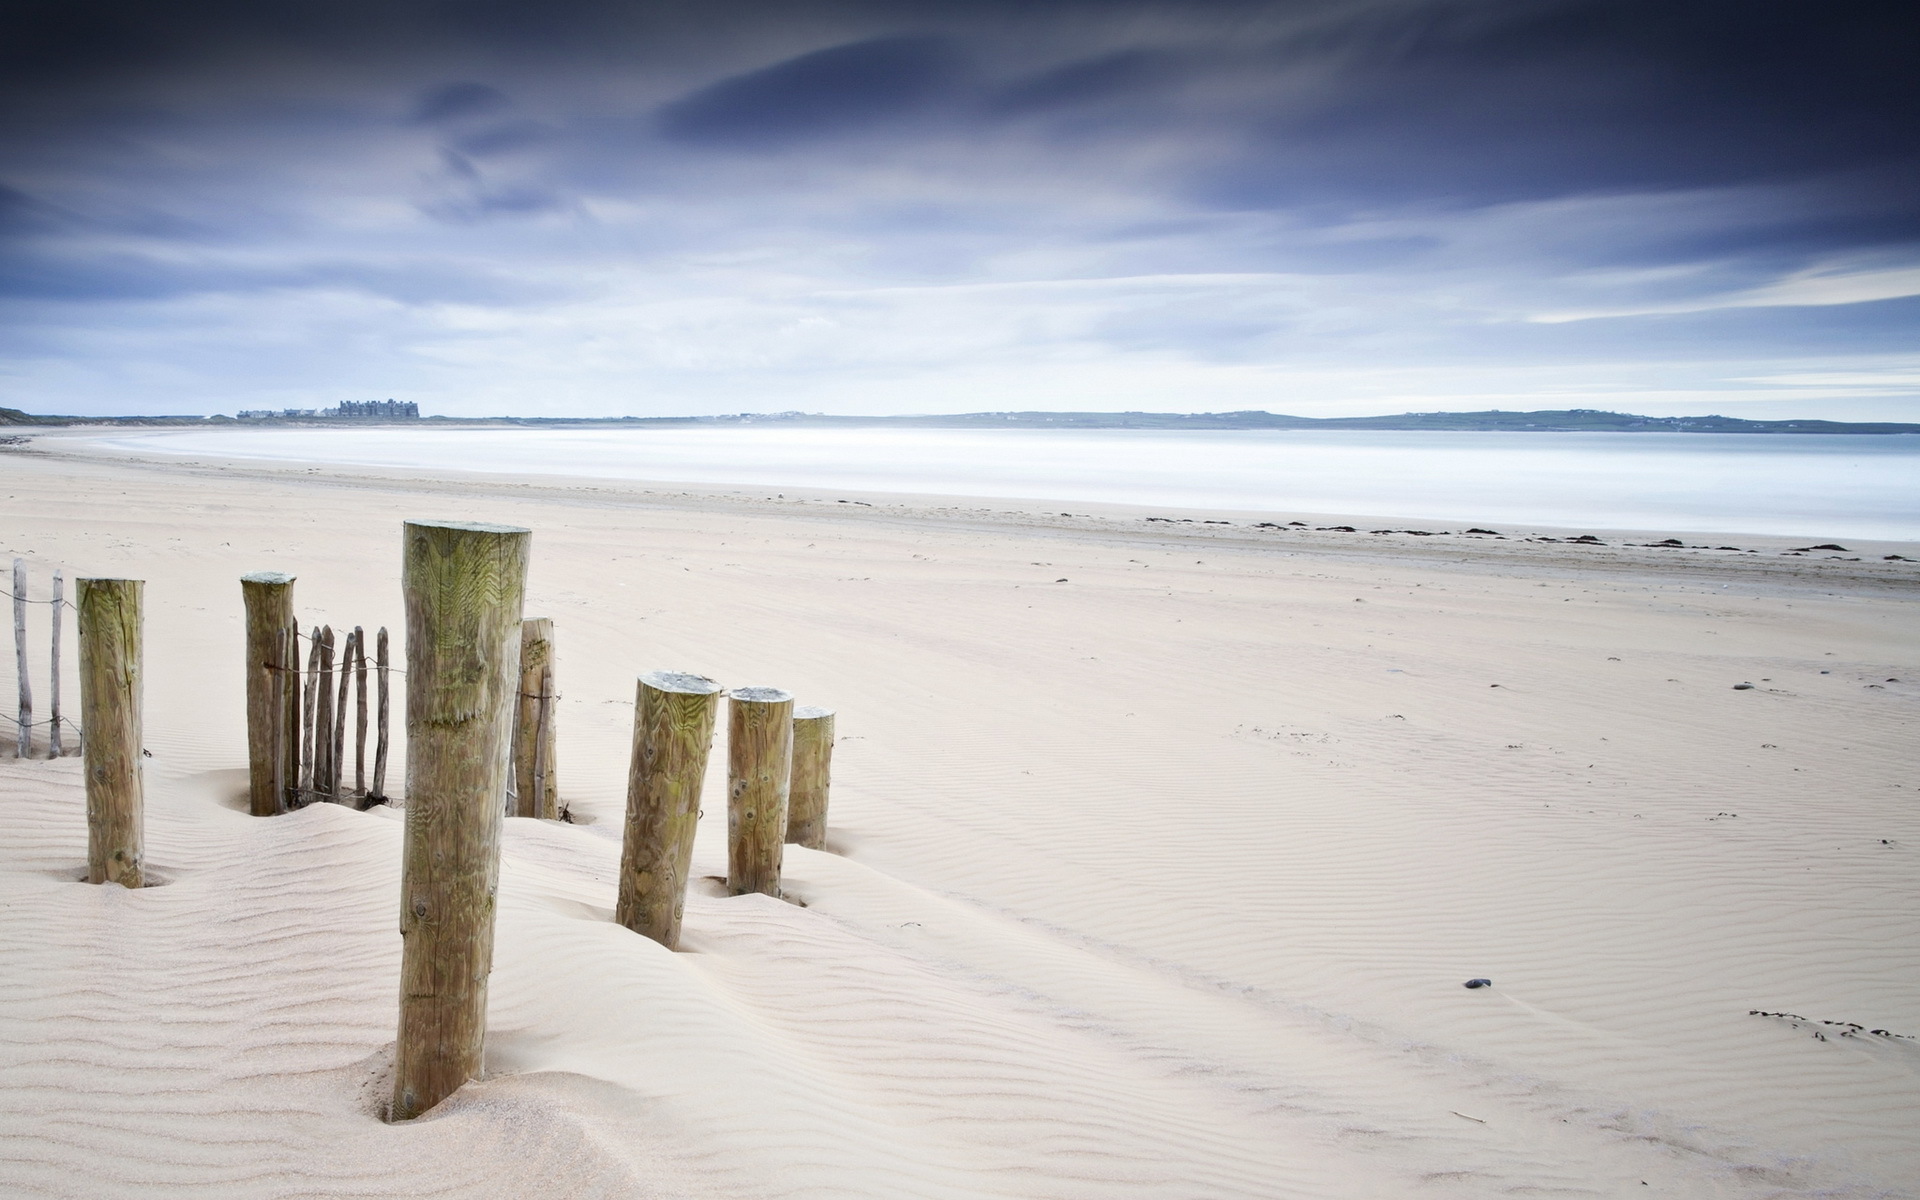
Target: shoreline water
{"points": [[1816, 487]]}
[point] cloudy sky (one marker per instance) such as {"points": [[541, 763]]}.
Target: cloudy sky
{"points": [[1318, 206]]}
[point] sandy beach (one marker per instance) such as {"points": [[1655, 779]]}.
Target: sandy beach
{"points": [[1159, 852]]}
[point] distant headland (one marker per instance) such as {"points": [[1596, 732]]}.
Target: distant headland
{"points": [[1559, 420]]}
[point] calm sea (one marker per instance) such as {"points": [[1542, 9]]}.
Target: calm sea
{"points": [[1816, 486]]}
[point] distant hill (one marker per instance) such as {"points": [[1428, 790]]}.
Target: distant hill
{"points": [[1557, 420]]}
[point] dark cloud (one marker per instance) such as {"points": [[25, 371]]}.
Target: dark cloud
{"points": [[451, 101], [831, 91]]}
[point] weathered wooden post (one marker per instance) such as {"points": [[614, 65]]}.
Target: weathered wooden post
{"points": [[464, 587], [268, 596], [110, 687], [326, 773], [812, 768], [533, 742], [359, 713], [380, 747], [308, 767], [759, 759], [339, 758], [55, 747], [23, 732], [673, 716]]}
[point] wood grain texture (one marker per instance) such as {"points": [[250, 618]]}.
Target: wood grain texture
{"points": [[338, 758], [535, 783], [464, 588], [110, 690], [359, 712], [325, 774], [381, 671], [673, 719], [759, 760], [812, 771], [268, 597], [307, 764]]}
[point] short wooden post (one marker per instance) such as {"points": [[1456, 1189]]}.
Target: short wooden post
{"points": [[464, 587], [340, 719], [55, 747], [23, 732], [268, 596], [812, 767], [759, 760], [673, 715], [308, 767], [110, 687], [380, 745], [359, 713], [533, 742]]}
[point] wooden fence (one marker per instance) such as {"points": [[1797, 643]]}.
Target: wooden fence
{"points": [[23, 720]]}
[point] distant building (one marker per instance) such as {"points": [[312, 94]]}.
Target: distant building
{"points": [[362, 410], [390, 410]]}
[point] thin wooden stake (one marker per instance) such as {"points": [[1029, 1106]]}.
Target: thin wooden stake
{"points": [[268, 596], [533, 765], [359, 713], [324, 774], [287, 701], [759, 762], [340, 719], [23, 736], [110, 689], [308, 767], [673, 715], [464, 586], [812, 768], [54, 745], [380, 747]]}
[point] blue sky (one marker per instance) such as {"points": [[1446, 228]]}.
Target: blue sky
{"points": [[580, 207]]}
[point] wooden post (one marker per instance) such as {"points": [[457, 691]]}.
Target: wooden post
{"points": [[23, 732], [268, 596], [359, 713], [812, 766], [759, 759], [673, 717], [464, 587], [289, 708], [110, 688], [54, 745], [380, 746], [308, 767], [340, 719], [325, 772], [533, 742]]}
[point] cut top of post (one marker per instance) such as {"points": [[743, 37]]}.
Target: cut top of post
{"points": [[469, 526], [267, 577], [682, 682], [760, 695], [810, 712]]}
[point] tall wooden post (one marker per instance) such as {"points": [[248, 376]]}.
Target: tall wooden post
{"points": [[533, 741], [380, 745], [110, 687], [759, 759], [270, 681], [55, 748], [325, 770], [309, 768], [464, 587], [23, 732], [812, 768], [673, 716], [359, 713], [339, 758]]}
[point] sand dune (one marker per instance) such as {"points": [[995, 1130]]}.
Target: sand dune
{"points": [[1158, 882]]}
